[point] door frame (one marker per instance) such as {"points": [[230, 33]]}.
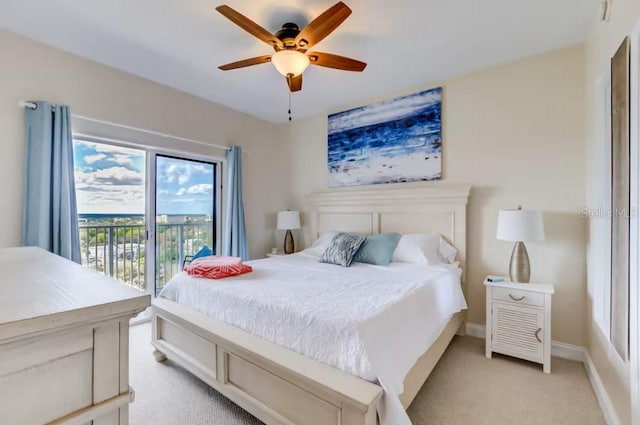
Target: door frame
{"points": [[634, 291], [634, 266]]}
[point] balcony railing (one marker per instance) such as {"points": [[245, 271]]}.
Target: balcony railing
{"points": [[118, 250]]}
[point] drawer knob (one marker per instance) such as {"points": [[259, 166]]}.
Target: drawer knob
{"points": [[537, 334], [517, 298]]}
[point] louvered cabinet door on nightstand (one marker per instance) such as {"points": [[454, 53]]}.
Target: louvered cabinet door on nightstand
{"points": [[519, 320]]}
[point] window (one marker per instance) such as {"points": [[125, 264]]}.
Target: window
{"points": [[110, 192], [141, 213]]}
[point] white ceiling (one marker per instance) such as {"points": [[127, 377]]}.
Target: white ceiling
{"points": [[406, 43]]}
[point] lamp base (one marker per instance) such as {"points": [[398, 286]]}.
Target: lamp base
{"points": [[288, 243], [519, 268]]}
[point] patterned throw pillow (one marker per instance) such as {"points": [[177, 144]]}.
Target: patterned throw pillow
{"points": [[342, 249], [378, 249]]}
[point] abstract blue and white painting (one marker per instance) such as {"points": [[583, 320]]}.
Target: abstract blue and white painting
{"points": [[392, 141]]}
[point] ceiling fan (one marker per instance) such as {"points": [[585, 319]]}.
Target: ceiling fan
{"points": [[291, 44]]}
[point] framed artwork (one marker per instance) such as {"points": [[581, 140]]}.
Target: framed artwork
{"points": [[620, 199], [392, 141]]}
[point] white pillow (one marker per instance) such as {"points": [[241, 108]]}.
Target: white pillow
{"points": [[320, 245], [424, 248], [447, 251]]}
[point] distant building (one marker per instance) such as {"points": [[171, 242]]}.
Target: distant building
{"points": [[179, 219], [171, 219]]}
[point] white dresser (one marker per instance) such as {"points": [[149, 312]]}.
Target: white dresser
{"points": [[64, 341], [519, 320]]}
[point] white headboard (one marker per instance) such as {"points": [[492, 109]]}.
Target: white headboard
{"points": [[441, 209]]}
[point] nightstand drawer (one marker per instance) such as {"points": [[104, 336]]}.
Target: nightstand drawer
{"points": [[518, 296]]}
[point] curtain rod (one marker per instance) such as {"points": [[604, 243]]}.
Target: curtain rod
{"points": [[31, 105], [116, 142]]}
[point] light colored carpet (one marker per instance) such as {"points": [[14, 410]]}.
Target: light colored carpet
{"points": [[464, 388]]}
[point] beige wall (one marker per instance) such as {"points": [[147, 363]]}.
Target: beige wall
{"points": [[516, 134], [30, 70], [601, 44]]}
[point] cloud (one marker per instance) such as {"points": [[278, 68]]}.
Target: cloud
{"points": [[98, 197], [94, 152], [122, 159], [200, 189], [175, 170], [182, 200], [116, 176], [104, 148], [119, 176], [87, 188], [90, 159]]}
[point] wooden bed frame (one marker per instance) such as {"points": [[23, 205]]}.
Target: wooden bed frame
{"points": [[280, 386]]}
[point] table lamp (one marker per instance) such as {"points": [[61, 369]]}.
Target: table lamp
{"points": [[520, 226], [288, 220]]}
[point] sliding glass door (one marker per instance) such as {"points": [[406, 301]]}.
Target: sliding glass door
{"points": [[143, 214], [185, 213]]}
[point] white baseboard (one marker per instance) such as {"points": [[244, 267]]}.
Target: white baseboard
{"points": [[610, 416], [575, 353], [568, 351], [473, 329]]}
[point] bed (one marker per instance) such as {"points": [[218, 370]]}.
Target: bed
{"points": [[293, 385]]}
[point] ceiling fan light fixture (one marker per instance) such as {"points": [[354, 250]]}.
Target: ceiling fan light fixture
{"points": [[290, 62]]}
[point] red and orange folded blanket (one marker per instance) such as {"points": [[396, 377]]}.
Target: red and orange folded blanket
{"points": [[217, 267]]}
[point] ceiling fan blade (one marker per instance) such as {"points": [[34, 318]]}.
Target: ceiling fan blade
{"points": [[246, 62], [337, 62], [295, 83], [250, 26], [323, 25]]}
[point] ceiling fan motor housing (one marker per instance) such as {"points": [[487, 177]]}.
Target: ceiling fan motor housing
{"points": [[288, 34]]}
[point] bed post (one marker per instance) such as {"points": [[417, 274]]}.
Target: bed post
{"points": [[157, 354]]}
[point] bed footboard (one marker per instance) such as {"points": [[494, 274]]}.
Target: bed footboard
{"points": [[276, 385]]}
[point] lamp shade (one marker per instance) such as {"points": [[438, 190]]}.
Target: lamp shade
{"points": [[290, 62], [520, 225], [288, 220]]}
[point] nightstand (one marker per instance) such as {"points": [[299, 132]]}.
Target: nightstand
{"points": [[519, 320]]}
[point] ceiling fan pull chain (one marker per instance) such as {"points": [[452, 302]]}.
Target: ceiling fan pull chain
{"points": [[289, 106]]}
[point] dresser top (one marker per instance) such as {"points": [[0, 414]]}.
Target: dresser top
{"points": [[506, 283], [40, 290]]}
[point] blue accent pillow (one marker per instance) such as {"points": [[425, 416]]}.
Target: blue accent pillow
{"points": [[378, 249], [205, 251], [342, 249]]}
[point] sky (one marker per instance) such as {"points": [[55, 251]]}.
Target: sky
{"points": [[111, 180]]}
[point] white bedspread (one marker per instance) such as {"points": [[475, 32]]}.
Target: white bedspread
{"points": [[370, 321]]}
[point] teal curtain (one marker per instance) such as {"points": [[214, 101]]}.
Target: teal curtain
{"points": [[50, 214], [235, 234]]}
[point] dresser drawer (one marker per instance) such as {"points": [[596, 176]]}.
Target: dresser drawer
{"points": [[517, 296]]}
